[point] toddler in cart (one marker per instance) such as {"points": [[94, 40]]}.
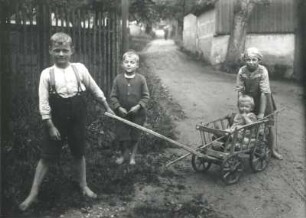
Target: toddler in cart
{"points": [[244, 117]]}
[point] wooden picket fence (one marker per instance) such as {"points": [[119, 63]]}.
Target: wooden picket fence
{"points": [[95, 33], [24, 53]]}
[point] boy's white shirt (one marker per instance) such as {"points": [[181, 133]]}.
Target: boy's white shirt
{"points": [[66, 85]]}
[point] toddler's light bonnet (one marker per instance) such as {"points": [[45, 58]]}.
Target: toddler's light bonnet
{"points": [[252, 51]]}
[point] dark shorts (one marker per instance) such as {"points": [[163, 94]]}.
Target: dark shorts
{"points": [[73, 135], [69, 117]]}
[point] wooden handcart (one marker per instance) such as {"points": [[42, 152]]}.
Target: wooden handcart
{"points": [[222, 147]]}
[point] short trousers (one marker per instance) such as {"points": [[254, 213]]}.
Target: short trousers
{"points": [[73, 135], [69, 117]]}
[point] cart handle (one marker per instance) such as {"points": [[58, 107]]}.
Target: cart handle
{"points": [[263, 120], [275, 112], [155, 134]]}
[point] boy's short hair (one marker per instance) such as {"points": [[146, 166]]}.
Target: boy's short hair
{"points": [[246, 98], [60, 38], [131, 53]]}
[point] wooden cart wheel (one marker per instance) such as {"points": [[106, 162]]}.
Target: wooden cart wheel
{"points": [[232, 169], [200, 164], [260, 156]]}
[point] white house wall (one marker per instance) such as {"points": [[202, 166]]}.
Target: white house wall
{"points": [[189, 33], [199, 37], [278, 49], [219, 49], [205, 33]]}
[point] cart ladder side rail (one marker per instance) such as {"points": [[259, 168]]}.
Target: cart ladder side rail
{"points": [[212, 130], [188, 154]]}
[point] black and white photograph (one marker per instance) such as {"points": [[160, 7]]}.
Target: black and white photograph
{"points": [[153, 108]]}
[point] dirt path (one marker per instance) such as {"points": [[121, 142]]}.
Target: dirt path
{"points": [[205, 94]]}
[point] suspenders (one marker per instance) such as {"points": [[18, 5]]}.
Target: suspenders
{"points": [[75, 70], [52, 79]]}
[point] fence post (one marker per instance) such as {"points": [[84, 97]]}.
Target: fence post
{"points": [[5, 90], [43, 25], [125, 15]]}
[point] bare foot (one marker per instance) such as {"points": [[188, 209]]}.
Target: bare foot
{"points": [[132, 161], [277, 155], [120, 160], [27, 202], [88, 193]]}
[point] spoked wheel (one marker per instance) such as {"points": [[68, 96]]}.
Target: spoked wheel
{"points": [[199, 164], [260, 156], [232, 169]]}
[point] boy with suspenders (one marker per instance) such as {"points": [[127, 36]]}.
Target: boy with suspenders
{"points": [[63, 110]]}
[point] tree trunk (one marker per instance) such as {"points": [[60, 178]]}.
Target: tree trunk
{"points": [[236, 44]]}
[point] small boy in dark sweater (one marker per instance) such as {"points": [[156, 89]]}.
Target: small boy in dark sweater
{"points": [[129, 97]]}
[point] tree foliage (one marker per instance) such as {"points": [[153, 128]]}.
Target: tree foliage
{"points": [[28, 7], [143, 11], [150, 11]]}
